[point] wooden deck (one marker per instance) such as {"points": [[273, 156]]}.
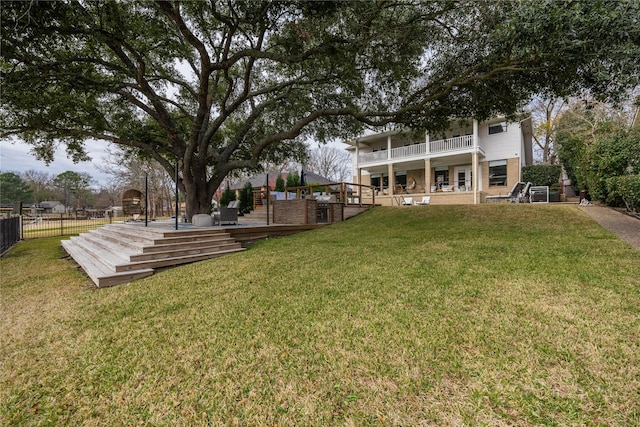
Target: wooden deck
{"points": [[120, 253]]}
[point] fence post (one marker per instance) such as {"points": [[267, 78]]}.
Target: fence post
{"points": [[61, 226]]}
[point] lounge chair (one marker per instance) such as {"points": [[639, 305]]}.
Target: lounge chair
{"points": [[425, 201], [228, 214], [407, 201]]}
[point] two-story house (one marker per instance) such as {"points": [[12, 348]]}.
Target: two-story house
{"points": [[464, 165]]}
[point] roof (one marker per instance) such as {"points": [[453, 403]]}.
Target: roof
{"points": [[49, 204], [260, 180]]}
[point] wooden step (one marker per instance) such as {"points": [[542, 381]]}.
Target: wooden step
{"points": [[163, 245], [120, 253], [116, 254], [116, 238], [97, 271], [138, 231], [170, 251], [115, 246], [157, 263], [106, 257]]}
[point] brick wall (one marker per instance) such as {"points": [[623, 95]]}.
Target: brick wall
{"points": [[298, 211]]}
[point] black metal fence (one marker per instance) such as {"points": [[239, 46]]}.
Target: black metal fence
{"points": [[60, 225], [9, 232]]}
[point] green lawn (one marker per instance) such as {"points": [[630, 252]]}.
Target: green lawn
{"points": [[431, 315]]}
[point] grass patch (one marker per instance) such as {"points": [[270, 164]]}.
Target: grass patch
{"points": [[467, 315]]}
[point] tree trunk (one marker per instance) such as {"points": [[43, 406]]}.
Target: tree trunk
{"points": [[197, 193]]}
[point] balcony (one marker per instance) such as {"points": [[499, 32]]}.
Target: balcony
{"points": [[419, 150]]}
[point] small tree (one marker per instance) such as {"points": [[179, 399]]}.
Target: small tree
{"points": [[293, 179], [73, 187], [228, 196], [279, 183], [246, 198], [13, 189], [330, 162]]}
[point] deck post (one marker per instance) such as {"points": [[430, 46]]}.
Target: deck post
{"points": [[176, 194], [392, 180], [268, 199], [146, 199]]}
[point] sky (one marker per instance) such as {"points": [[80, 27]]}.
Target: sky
{"points": [[15, 157]]}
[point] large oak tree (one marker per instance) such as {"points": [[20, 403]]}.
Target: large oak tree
{"points": [[218, 86]]}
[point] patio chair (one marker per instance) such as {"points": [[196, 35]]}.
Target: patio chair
{"points": [[425, 201], [228, 214], [407, 201]]}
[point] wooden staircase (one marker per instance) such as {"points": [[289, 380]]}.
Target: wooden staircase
{"points": [[257, 215], [116, 254]]}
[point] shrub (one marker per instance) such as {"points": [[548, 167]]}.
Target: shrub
{"points": [[541, 174], [227, 197], [246, 198], [293, 179], [279, 183], [627, 188]]}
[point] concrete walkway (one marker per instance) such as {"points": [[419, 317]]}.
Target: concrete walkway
{"points": [[625, 227]]}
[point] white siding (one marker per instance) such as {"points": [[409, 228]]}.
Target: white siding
{"points": [[503, 145]]}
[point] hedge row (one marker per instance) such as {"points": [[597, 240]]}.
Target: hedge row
{"points": [[627, 187], [541, 174]]}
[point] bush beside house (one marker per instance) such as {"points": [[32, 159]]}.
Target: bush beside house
{"points": [[548, 175], [627, 188], [544, 175]]}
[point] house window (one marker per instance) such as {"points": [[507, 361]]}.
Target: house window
{"points": [[375, 181], [401, 181], [497, 173], [497, 128], [442, 177]]}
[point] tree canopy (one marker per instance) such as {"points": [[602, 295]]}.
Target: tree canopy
{"points": [[598, 143], [221, 86], [73, 186], [13, 189]]}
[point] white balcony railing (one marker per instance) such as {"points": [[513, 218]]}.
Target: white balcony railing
{"points": [[452, 144], [373, 157], [409, 151], [419, 150]]}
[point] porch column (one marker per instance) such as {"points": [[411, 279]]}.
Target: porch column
{"points": [[356, 160], [392, 180], [427, 175], [389, 148], [475, 134], [474, 162], [475, 172]]}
